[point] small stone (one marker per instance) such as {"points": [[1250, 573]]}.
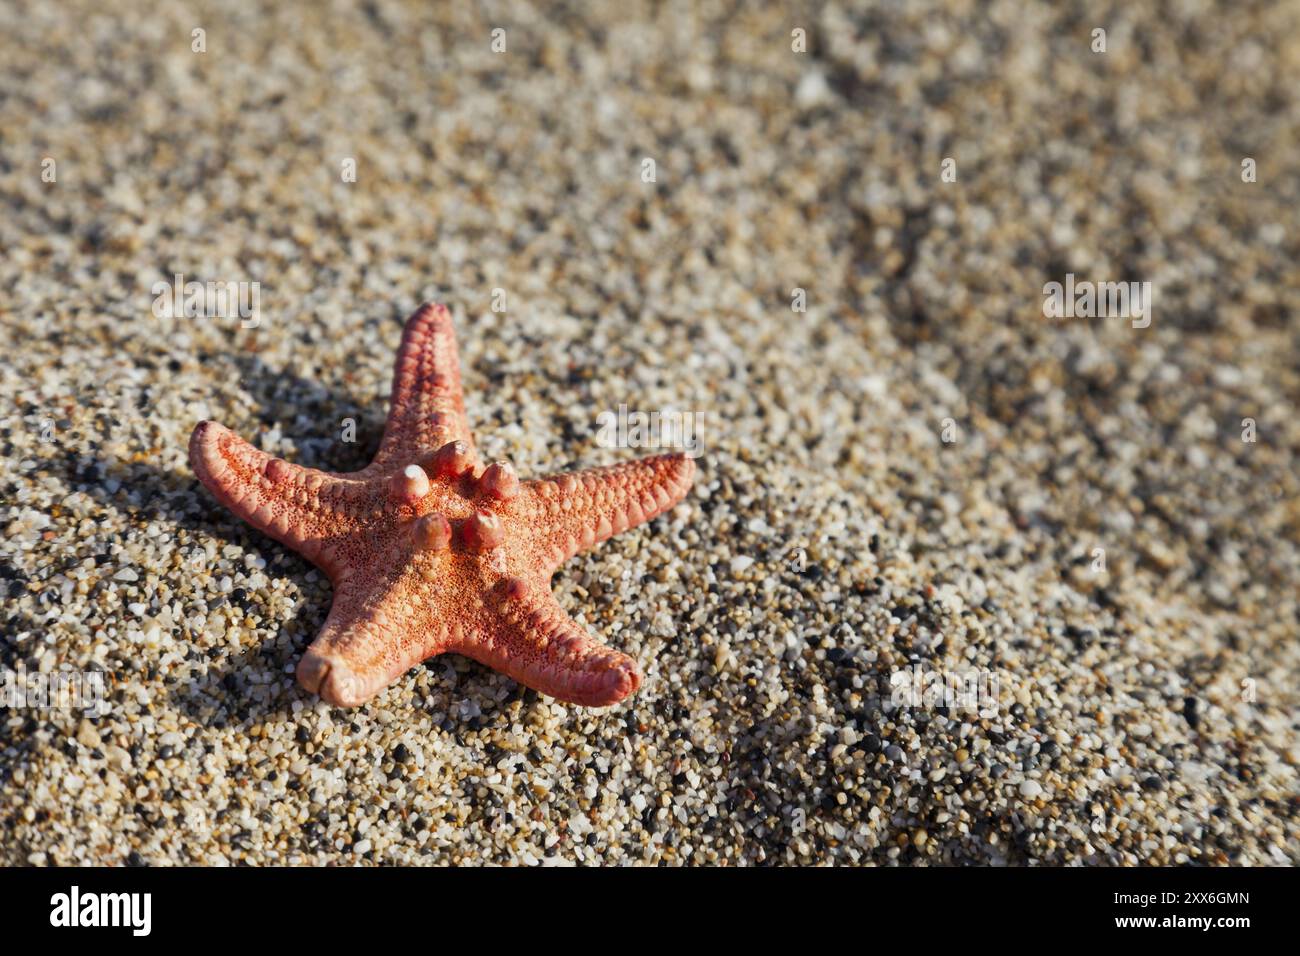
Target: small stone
{"points": [[813, 90], [118, 757], [87, 735]]}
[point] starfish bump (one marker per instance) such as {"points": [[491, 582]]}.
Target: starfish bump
{"points": [[431, 552]]}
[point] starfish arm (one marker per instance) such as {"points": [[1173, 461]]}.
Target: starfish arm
{"points": [[300, 507], [372, 636], [537, 643], [427, 408], [568, 513]]}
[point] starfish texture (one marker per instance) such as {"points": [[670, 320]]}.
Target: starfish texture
{"points": [[430, 551]]}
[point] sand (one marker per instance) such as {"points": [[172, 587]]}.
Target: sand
{"points": [[909, 470]]}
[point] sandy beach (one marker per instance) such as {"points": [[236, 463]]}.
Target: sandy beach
{"points": [[964, 578]]}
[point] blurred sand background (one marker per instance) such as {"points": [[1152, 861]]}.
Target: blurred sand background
{"points": [[1145, 713]]}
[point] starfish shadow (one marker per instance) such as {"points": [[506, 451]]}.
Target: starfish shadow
{"points": [[267, 387], [144, 492], [323, 449], [225, 692]]}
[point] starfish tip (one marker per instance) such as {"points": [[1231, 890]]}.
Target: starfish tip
{"points": [[205, 450], [331, 679], [609, 686]]}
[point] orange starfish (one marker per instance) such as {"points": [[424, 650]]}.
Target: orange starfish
{"points": [[431, 552]]}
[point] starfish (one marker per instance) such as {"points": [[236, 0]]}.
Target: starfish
{"points": [[430, 551]]}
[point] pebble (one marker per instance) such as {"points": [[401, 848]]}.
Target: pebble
{"points": [[87, 735]]}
